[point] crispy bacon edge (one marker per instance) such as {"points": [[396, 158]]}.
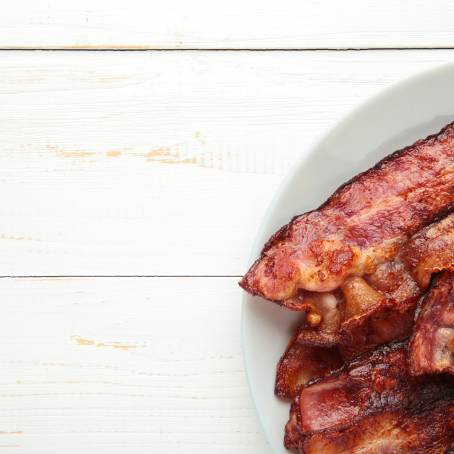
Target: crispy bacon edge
{"points": [[412, 431], [318, 250], [375, 383], [378, 308], [430, 251], [431, 348], [302, 363]]}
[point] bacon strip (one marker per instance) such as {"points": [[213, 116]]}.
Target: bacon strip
{"points": [[402, 281], [377, 383], [293, 434], [430, 250], [362, 225], [302, 363], [430, 431], [323, 320], [361, 317], [432, 344], [378, 308], [386, 322]]}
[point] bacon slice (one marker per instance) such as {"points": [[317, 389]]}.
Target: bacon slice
{"points": [[360, 317], [362, 225], [430, 431], [380, 307], [293, 435], [430, 250], [376, 383], [323, 320], [432, 344], [386, 322], [388, 316], [394, 280], [302, 363], [402, 282]]}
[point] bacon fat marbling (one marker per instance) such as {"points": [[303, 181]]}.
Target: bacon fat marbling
{"points": [[432, 343], [362, 225]]}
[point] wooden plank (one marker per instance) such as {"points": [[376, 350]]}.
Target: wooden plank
{"points": [[141, 24], [162, 163], [124, 365]]}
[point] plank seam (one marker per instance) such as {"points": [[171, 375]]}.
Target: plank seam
{"points": [[226, 49], [122, 276]]}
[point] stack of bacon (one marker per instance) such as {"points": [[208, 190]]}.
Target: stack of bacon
{"points": [[371, 368]]}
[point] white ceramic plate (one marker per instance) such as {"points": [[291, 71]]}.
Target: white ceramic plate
{"points": [[399, 116]]}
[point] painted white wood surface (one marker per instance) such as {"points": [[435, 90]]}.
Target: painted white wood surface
{"points": [[158, 163], [177, 24], [130, 365], [162, 163]]}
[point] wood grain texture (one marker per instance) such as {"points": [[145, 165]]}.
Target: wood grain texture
{"points": [[159, 163], [162, 163], [177, 24], [124, 365]]}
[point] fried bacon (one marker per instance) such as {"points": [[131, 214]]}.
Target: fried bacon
{"points": [[432, 344], [394, 280], [323, 319], [428, 431], [380, 307], [358, 268], [360, 317], [386, 322], [375, 387], [401, 281], [293, 435], [363, 224], [375, 382], [392, 296], [302, 363], [430, 250]]}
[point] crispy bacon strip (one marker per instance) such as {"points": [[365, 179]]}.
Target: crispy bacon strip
{"points": [[360, 317], [302, 363], [392, 296], [362, 225], [293, 435], [380, 307], [432, 344], [394, 280], [375, 383], [430, 431], [386, 322], [430, 250], [402, 281], [376, 311], [323, 320]]}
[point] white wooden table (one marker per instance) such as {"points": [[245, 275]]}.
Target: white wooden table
{"points": [[132, 182]]}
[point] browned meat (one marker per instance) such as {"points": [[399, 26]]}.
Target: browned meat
{"points": [[293, 435], [324, 314], [362, 225], [410, 431], [360, 317], [377, 383], [386, 322], [373, 383], [432, 344], [377, 308], [430, 250], [357, 267], [375, 322], [302, 363]]}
